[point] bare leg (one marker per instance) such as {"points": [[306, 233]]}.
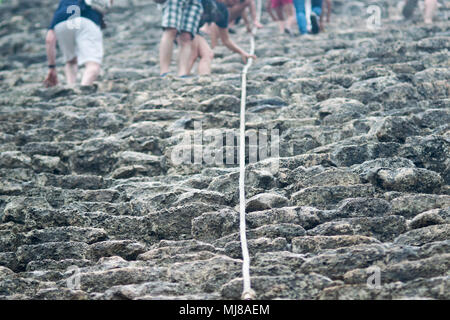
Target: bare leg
{"points": [[430, 8], [328, 2], [269, 10], [280, 18], [71, 69], [206, 57], [253, 14], [165, 49], [91, 73], [214, 35], [194, 53], [290, 15], [184, 55], [246, 21]]}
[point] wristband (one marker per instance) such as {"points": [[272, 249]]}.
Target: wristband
{"points": [[51, 66]]}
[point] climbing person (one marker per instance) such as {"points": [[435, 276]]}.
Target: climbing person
{"points": [[216, 15], [180, 21], [326, 7], [76, 27], [429, 10], [316, 12], [237, 9], [282, 8]]}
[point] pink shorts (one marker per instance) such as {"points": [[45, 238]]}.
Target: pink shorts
{"points": [[279, 3]]}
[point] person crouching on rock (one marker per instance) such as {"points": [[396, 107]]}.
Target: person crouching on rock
{"points": [[316, 12], [180, 18], [215, 13], [77, 29]]}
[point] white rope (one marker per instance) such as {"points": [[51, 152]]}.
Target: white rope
{"points": [[247, 293]]}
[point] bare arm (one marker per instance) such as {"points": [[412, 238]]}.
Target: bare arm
{"points": [[225, 37], [50, 46]]}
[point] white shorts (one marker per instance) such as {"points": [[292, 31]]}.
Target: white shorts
{"points": [[80, 38]]}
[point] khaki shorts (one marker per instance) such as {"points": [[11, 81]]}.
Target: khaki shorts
{"points": [[80, 38]]}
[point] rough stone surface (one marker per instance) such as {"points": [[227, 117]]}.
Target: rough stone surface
{"points": [[95, 204]]}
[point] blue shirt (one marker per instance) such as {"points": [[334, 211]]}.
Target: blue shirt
{"points": [[62, 13]]}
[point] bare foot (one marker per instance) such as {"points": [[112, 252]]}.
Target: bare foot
{"points": [[258, 25]]}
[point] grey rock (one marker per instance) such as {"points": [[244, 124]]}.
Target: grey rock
{"points": [[99, 281], [426, 219], [335, 263], [14, 159], [63, 234], [411, 205], [213, 225], [317, 244], [329, 196], [282, 287], [396, 129], [364, 207], [404, 271], [5, 273], [384, 229], [126, 249], [209, 275], [52, 250], [146, 289], [285, 258], [266, 201], [419, 237], [233, 248], [167, 250], [367, 169], [16, 210], [408, 179], [89, 185], [60, 294]]}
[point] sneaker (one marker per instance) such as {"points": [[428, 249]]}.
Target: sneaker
{"points": [[288, 32], [186, 76], [314, 23], [89, 89]]}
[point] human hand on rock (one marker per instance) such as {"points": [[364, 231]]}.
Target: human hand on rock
{"points": [[52, 78], [246, 56]]}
